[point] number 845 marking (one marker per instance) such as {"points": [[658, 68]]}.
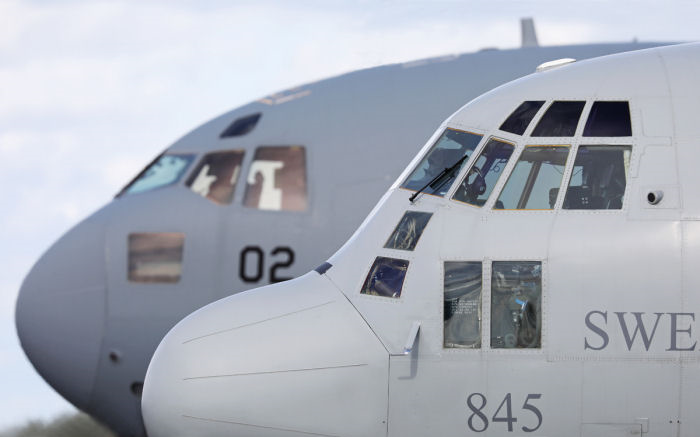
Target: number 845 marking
{"points": [[478, 422]]}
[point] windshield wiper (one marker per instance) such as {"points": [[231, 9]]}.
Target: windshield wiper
{"points": [[440, 179]]}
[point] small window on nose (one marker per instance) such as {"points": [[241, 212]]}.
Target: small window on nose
{"points": [[408, 231], [155, 257], [386, 277]]}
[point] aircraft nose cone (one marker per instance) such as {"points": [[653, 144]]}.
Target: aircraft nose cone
{"points": [[285, 360], [60, 313]]}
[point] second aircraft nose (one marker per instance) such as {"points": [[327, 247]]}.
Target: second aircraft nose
{"points": [[60, 312], [289, 359]]}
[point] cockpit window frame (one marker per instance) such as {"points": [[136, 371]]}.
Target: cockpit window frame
{"points": [[199, 163], [556, 206], [305, 169], [377, 263], [139, 174], [194, 158], [555, 105], [449, 186], [472, 162]]}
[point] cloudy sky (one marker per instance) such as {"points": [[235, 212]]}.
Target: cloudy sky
{"points": [[91, 91]]}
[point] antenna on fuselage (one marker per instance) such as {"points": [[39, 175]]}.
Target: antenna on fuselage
{"points": [[527, 33]]}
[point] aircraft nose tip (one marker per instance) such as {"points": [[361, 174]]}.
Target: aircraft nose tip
{"points": [[59, 315], [290, 359]]}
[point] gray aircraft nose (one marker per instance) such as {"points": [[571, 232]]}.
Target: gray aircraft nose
{"points": [[61, 309], [285, 360]]}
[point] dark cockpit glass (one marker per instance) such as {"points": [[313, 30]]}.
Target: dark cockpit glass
{"points": [[241, 126], [165, 170], [520, 119], [386, 277], [452, 146], [216, 174], [560, 120], [477, 185], [608, 119], [599, 178], [408, 231]]}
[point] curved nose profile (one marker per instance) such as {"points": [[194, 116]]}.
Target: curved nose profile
{"points": [[60, 312], [289, 359]]}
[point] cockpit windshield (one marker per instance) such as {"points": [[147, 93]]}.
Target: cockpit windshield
{"points": [[165, 170], [452, 146], [485, 172], [534, 182]]}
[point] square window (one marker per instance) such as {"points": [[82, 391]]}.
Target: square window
{"points": [[155, 257], [216, 175], [385, 278], [277, 179], [608, 119], [599, 178]]}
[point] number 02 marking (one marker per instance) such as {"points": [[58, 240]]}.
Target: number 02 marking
{"points": [[479, 422], [251, 265]]}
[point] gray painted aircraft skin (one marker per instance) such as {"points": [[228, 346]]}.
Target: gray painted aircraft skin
{"points": [[99, 329], [591, 227]]}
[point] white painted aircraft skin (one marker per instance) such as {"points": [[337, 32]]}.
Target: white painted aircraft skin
{"points": [[615, 352], [99, 329]]}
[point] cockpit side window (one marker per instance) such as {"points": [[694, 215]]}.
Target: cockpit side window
{"points": [[155, 257], [599, 178], [560, 120], [216, 174], [166, 170], [408, 231], [386, 277], [535, 180], [477, 185], [452, 146], [516, 304], [520, 119], [462, 304], [608, 119], [277, 179]]}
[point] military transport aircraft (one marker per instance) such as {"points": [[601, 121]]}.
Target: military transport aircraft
{"points": [[532, 272], [256, 196]]}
